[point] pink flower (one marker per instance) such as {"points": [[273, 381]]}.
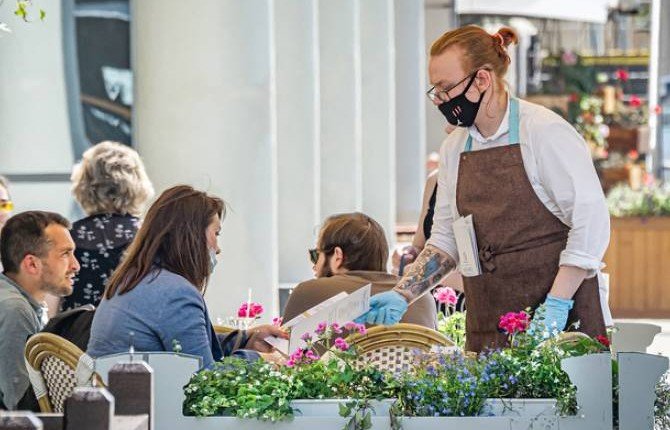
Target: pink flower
{"points": [[321, 328], [622, 75], [635, 101], [277, 321], [446, 295], [362, 329], [290, 363], [306, 337], [311, 356], [255, 310], [336, 328], [514, 322], [351, 326], [658, 109], [633, 155], [341, 344]]}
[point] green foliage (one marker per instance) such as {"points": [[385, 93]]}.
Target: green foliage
{"points": [[23, 8], [453, 327], [662, 404], [653, 200], [234, 387]]}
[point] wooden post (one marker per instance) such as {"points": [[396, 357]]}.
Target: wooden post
{"points": [[132, 385], [89, 408], [19, 421]]}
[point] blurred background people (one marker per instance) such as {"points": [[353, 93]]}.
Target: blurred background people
{"points": [[112, 187]]}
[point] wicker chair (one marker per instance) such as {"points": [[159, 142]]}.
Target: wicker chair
{"points": [[393, 347], [55, 367]]}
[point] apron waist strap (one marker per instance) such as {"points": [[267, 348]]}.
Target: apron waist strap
{"points": [[488, 252]]}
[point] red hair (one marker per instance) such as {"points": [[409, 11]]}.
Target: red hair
{"points": [[481, 50]]}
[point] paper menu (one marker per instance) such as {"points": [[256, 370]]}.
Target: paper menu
{"points": [[340, 309], [466, 242]]}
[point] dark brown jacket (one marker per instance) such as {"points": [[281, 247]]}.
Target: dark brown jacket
{"points": [[310, 293]]}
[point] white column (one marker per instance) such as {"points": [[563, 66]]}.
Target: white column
{"points": [[204, 115], [340, 86], [378, 112], [34, 125], [410, 108], [298, 131]]}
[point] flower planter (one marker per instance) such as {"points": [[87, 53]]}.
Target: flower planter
{"points": [[519, 407], [331, 407]]}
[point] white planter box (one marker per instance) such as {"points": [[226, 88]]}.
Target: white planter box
{"points": [[519, 407], [331, 407]]}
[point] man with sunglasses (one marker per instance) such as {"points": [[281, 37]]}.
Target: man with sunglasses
{"points": [[351, 252]]}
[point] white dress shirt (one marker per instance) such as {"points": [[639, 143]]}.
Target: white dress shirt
{"points": [[560, 170]]}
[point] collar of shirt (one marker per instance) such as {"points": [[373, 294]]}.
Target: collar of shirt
{"points": [[40, 308], [502, 129]]}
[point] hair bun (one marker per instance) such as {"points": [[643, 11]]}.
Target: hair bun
{"points": [[506, 36]]}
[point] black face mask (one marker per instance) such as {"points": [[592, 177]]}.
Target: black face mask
{"points": [[460, 111]]}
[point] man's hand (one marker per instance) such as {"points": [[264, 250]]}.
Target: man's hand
{"points": [[258, 334], [385, 308]]}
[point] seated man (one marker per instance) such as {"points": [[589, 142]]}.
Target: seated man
{"points": [[37, 254], [351, 252]]}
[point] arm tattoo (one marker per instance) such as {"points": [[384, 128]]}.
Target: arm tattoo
{"points": [[428, 269]]}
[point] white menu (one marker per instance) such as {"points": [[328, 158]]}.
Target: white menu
{"points": [[340, 309]]}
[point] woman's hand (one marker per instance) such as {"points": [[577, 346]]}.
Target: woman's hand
{"points": [[258, 334]]}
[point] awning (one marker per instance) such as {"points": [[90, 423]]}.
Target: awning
{"points": [[569, 10]]}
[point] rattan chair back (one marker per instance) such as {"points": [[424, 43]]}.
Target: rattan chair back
{"points": [[394, 348], [55, 367]]}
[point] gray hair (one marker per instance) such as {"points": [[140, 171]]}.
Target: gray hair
{"points": [[111, 179]]}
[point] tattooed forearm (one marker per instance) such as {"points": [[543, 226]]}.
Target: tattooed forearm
{"points": [[429, 268]]}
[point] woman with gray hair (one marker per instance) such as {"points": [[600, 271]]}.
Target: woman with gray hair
{"points": [[111, 185]]}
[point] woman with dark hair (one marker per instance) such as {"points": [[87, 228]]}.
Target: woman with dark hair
{"points": [[156, 293]]}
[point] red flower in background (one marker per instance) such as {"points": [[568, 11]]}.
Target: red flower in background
{"points": [[658, 109], [622, 75], [633, 155], [574, 98], [255, 310], [604, 341], [635, 101]]}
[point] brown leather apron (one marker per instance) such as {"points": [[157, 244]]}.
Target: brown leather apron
{"points": [[519, 242]]}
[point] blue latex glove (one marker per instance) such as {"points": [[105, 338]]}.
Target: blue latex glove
{"points": [[555, 316], [385, 308]]}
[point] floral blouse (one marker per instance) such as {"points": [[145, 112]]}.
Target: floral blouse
{"points": [[101, 241]]}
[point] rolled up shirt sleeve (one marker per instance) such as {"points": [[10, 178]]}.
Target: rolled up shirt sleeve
{"points": [[442, 234], [566, 172]]}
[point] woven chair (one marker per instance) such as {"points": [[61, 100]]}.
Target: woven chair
{"points": [[55, 367], [393, 348]]}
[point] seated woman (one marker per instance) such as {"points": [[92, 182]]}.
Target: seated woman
{"points": [[111, 185], [155, 297]]}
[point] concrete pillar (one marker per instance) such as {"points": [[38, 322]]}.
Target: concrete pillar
{"points": [[298, 132], [205, 115], [340, 87], [35, 140], [378, 112], [410, 108]]}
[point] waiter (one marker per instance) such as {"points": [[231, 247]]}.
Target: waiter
{"points": [[519, 202]]}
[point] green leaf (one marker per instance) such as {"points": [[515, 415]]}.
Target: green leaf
{"points": [[367, 421], [345, 410], [43, 14]]}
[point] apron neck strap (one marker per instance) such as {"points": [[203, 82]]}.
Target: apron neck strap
{"points": [[513, 125]]}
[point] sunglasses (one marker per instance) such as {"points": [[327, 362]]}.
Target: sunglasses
{"points": [[6, 206], [313, 255]]}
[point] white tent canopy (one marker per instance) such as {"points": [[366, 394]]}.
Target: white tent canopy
{"points": [[571, 10]]}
